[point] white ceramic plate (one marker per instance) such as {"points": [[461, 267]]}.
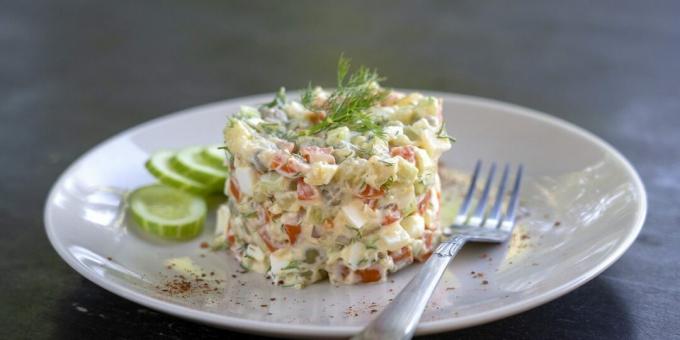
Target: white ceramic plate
{"points": [[572, 177]]}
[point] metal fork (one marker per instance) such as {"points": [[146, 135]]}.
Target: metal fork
{"points": [[400, 318]]}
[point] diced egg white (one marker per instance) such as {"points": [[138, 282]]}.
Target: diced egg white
{"points": [[394, 130], [222, 224], [279, 260], [245, 177]]}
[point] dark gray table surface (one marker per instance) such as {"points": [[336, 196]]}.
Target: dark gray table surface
{"points": [[73, 73]]}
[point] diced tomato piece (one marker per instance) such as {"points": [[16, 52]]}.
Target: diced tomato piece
{"points": [[368, 275], [264, 235], [317, 154], [231, 239], [305, 191], [370, 192], [234, 190], [288, 169], [292, 167], [317, 116], [425, 202], [278, 160], [406, 152], [403, 254], [293, 231], [391, 214]]}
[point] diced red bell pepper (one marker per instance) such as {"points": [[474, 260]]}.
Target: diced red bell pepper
{"points": [[293, 231]]}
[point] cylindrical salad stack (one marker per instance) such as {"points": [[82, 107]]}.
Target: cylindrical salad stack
{"points": [[314, 193]]}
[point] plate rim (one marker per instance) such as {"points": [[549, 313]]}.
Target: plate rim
{"points": [[427, 327]]}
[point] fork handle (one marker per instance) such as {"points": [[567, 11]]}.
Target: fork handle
{"points": [[400, 318]]}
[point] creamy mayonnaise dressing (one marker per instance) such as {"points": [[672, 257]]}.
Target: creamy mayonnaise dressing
{"points": [[341, 204]]}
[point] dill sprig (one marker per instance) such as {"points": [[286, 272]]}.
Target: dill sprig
{"points": [[443, 134], [307, 96], [279, 101], [347, 105]]}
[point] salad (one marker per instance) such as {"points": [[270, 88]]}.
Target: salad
{"points": [[337, 183]]}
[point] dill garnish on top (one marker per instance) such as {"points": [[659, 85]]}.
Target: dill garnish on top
{"points": [[347, 105]]}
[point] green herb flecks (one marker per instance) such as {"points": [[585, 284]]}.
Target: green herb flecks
{"points": [[251, 214], [388, 184], [279, 101], [291, 265], [443, 134], [347, 105], [307, 96]]}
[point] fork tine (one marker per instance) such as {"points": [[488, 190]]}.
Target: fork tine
{"points": [[492, 221], [511, 214], [478, 216], [465, 206]]}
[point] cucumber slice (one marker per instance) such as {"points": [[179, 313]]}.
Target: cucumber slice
{"points": [[192, 163], [159, 166], [167, 212], [215, 155]]}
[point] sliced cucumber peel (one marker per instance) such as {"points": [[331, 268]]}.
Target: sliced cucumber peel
{"points": [[160, 166], [167, 212], [190, 162]]}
